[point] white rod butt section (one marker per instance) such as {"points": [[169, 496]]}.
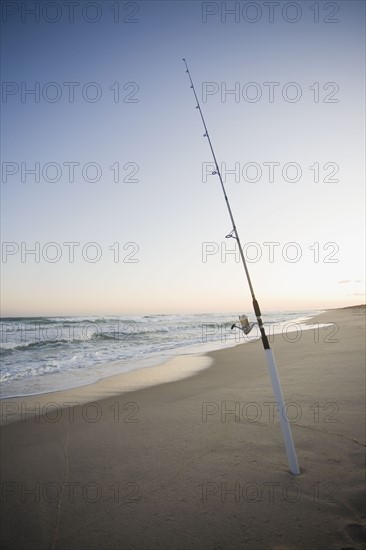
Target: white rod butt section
{"points": [[285, 424]]}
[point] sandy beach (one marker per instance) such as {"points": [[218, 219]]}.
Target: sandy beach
{"points": [[198, 462]]}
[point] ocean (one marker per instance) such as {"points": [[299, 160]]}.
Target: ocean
{"points": [[45, 354]]}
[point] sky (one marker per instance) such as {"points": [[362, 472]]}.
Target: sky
{"points": [[108, 201]]}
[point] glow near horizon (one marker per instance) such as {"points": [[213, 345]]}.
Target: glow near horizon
{"points": [[170, 213]]}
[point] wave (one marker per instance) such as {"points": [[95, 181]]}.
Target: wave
{"points": [[64, 320], [7, 348], [12, 348]]}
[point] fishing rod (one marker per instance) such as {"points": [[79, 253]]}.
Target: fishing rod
{"points": [[271, 362]]}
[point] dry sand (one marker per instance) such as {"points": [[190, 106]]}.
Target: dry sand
{"points": [[197, 463]]}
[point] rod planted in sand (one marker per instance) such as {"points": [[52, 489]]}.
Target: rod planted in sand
{"points": [[270, 358]]}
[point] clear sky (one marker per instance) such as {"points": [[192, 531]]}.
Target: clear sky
{"points": [[104, 164]]}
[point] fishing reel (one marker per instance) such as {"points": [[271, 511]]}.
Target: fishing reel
{"points": [[245, 325]]}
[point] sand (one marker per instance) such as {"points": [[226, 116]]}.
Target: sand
{"points": [[197, 463]]}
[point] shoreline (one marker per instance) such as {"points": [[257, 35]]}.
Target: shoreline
{"points": [[14, 409], [199, 462], [171, 373], [174, 368]]}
